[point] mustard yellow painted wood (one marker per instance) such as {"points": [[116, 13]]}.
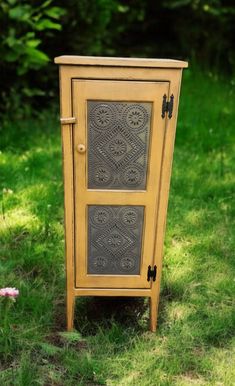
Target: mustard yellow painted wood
{"points": [[112, 292], [66, 121], [124, 91], [66, 110], [132, 62], [78, 76]]}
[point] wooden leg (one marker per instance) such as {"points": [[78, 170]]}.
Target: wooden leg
{"points": [[153, 313], [70, 311]]}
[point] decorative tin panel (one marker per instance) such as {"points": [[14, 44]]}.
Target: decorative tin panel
{"points": [[118, 141], [114, 239]]}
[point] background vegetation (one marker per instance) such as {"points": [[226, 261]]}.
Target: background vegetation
{"points": [[33, 32], [194, 343]]}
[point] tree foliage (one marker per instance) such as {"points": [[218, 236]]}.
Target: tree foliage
{"points": [[34, 31], [23, 27]]}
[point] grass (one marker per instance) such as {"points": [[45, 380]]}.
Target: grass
{"points": [[194, 344]]}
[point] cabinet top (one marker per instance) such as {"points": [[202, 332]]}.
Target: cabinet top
{"points": [[123, 62]]}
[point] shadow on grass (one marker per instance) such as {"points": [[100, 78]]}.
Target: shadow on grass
{"points": [[93, 313]]}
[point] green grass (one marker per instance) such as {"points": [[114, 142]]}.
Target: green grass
{"points": [[194, 343]]}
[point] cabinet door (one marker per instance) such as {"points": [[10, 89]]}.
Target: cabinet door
{"points": [[118, 147]]}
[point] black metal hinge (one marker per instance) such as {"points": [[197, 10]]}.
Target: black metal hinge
{"points": [[152, 273], [167, 106]]}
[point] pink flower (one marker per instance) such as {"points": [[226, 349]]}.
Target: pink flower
{"points": [[9, 292]]}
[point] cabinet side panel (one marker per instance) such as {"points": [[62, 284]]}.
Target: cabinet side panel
{"points": [[67, 146], [167, 159]]}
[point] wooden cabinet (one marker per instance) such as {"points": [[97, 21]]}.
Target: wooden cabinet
{"points": [[118, 118]]}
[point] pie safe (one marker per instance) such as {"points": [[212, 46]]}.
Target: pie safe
{"points": [[118, 119]]}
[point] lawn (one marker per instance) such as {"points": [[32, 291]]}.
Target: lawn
{"points": [[194, 343]]}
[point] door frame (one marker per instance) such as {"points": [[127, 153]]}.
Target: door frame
{"points": [[116, 90]]}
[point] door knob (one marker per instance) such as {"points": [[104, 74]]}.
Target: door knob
{"points": [[81, 148]]}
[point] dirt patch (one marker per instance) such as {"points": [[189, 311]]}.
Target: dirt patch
{"points": [[59, 341], [59, 320]]}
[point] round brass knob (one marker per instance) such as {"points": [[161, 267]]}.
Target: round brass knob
{"points": [[81, 148]]}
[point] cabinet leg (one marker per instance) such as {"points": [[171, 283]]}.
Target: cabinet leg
{"points": [[70, 312], [153, 313]]}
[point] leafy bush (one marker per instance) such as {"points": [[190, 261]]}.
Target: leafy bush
{"points": [[33, 32], [23, 26]]}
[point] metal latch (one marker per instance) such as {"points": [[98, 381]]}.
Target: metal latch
{"points": [[152, 273], [167, 106]]}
